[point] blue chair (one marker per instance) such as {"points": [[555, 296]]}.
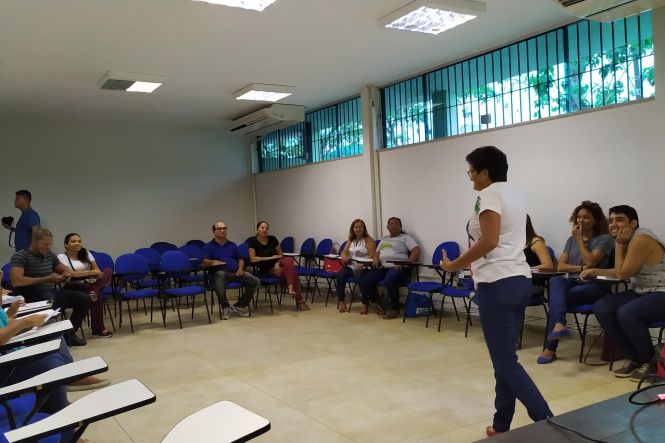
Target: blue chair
{"points": [[330, 278], [130, 269], [153, 258], [287, 244], [162, 247], [197, 243], [462, 291], [195, 256], [6, 283], [173, 266], [309, 272], [429, 288]]}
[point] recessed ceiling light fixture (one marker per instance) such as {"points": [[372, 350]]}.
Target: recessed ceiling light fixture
{"points": [[432, 16], [131, 81], [263, 93], [256, 5]]}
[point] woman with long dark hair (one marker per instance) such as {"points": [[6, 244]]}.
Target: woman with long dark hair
{"points": [[87, 277], [266, 254], [536, 252], [503, 282]]}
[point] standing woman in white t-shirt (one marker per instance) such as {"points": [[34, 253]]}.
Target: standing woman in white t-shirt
{"points": [[87, 277], [503, 282]]}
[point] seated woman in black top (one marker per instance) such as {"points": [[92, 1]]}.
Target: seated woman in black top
{"points": [[536, 252], [265, 252]]}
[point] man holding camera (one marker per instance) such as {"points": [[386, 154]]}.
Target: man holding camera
{"points": [[27, 223], [34, 273]]}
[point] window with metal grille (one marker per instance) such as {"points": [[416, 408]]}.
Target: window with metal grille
{"points": [[584, 65], [326, 134]]}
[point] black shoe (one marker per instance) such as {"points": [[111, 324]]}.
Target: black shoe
{"points": [[75, 340]]}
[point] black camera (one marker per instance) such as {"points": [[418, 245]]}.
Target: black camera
{"points": [[9, 221]]}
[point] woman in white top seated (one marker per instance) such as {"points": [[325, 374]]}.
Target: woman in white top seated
{"points": [[358, 246], [87, 277]]}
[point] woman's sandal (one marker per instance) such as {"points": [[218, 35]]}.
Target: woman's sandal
{"points": [[302, 306], [341, 307], [364, 309]]}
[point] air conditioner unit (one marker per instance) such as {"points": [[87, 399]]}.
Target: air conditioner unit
{"points": [[608, 10], [269, 119]]}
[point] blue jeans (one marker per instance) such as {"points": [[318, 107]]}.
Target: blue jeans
{"points": [[565, 293], [392, 278], [625, 318], [501, 307]]}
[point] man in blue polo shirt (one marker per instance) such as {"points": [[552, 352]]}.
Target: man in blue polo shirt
{"points": [[222, 253], [28, 223]]}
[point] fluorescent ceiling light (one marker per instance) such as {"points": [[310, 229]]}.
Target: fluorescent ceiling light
{"points": [[432, 16], [263, 93], [256, 5], [147, 87], [131, 81]]}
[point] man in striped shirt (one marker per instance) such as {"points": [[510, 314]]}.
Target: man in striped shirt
{"points": [[34, 273]]}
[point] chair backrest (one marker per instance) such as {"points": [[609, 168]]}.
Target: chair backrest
{"points": [[6, 283], [308, 247], [243, 251], [341, 247], [324, 247], [198, 243], [104, 261], [131, 267], [194, 253], [554, 259], [151, 255], [174, 262], [287, 244], [162, 247], [451, 248]]}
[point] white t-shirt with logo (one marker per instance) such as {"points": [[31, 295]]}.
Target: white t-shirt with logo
{"points": [[76, 265], [507, 259]]}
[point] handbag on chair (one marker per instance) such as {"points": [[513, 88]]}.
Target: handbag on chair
{"points": [[332, 265]]}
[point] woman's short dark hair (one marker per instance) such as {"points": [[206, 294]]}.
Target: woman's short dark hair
{"points": [[491, 159], [601, 226], [82, 255], [262, 222], [352, 236]]}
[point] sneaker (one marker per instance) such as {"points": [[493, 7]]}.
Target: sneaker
{"points": [[644, 371], [103, 334], [627, 369], [390, 314], [75, 340], [225, 313], [243, 312]]}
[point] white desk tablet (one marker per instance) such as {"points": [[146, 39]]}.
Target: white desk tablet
{"points": [[223, 422]]}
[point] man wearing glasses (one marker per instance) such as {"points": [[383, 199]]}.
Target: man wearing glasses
{"points": [[223, 256]]}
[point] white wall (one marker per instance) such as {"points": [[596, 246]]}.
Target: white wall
{"points": [[124, 186], [611, 156], [317, 201]]}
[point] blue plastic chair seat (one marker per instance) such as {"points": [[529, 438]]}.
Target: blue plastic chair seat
{"points": [[581, 309], [451, 291], [425, 286], [140, 293], [234, 285], [271, 280], [183, 291]]}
